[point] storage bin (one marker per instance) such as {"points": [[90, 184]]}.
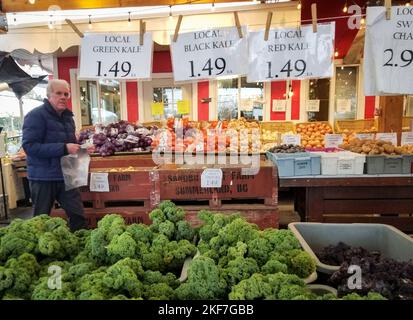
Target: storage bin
{"points": [[296, 164], [385, 164], [389, 241], [342, 163]]}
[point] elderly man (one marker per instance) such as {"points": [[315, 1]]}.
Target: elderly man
{"points": [[49, 134]]}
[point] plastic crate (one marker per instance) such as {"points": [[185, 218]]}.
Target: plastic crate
{"points": [[389, 241], [296, 164], [341, 163], [383, 164]]}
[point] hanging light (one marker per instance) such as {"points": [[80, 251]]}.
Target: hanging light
{"points": [[299, 5], [129, 21], [32, 1], [363, 21], [336, 54], [407, 3], [90, 22], [345, 8]]}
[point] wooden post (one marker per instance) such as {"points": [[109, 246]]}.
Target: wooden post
{"points": [[391, 115]]}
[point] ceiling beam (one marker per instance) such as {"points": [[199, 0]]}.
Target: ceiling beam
{"points": [[43, 5]]}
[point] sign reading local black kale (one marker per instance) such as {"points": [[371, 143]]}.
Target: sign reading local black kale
{"points": [[209, 54], [388, 51], [115, 56], [291, 53]]}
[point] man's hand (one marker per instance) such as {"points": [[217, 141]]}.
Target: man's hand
{"points": [[91, 149], [72, 148]]}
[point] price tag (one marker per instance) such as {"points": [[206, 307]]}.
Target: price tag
{"points": [[99, 182], [208, 54], [183, 106], [407, 139], [388, 51], [291, 139], [390, 137], [333, 140], [343, 105], [157, 108], [291, 53], [345, 166], [211, 178], [279, 105], [313, 105], [365, 136], [115, 56]]}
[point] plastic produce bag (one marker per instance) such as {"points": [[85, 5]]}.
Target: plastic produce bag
{"points": [[75, 169]]}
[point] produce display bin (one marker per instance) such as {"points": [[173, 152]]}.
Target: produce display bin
{"points": [[389, 241], [341, 163], [382, 164], [296, 164]]}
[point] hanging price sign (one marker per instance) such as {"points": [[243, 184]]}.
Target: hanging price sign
{"points": [[209, 54], [388, 51], [115, 56], [291, 53]]}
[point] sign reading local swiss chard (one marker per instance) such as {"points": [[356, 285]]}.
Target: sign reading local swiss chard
{"points": [[209, 54], [115, 56], [291, 53], [388, 51]]}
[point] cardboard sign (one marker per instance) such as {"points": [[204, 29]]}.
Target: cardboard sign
{"points": [[99, 182], [343, 105], [333, 140], [390, 137], [115, 56], [279, 105], [211, 178], [291, 53], [407, 139], [313, 105], [294, 139]]}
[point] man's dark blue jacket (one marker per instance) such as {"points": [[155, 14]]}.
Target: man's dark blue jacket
{"points": [[45, 134]]}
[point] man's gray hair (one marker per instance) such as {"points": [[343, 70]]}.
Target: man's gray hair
{"points": [[53, 83]]}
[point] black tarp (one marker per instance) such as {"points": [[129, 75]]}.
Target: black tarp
{"points": [[19, 81]]}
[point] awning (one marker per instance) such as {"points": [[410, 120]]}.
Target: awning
{"points": [[61, 38]]}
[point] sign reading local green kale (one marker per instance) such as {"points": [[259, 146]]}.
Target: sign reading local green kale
{"points": [[388, 51], [115, 56], [208, 54], [291, 53]]}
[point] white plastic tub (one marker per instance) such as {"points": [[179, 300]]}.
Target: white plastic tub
{"points": [[342, 163]]}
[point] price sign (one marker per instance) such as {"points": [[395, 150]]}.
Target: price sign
{"points": [[294, 139], [115, 56], [345, 166], [333, 140], [291, 53], [211, 178], [99, 182], [407, 139], [208, 54], [390, 137], [279, 105], [365, 136], [343, 105], [183, 107], [157, 108], [313, 105], [388, 51]]}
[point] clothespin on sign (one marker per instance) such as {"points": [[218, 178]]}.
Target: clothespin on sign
{"points": [[238, 24], [387, 4], [268, 25], [142, 27], [314, 16], [75, 29], [178, 25]]}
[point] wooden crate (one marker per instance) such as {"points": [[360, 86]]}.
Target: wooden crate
{"points": [[125, 188], [357, 126], [184, 183], [263, 216], [278, 126], [406, 124]]}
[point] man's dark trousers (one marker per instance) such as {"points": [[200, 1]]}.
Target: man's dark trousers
{"points": [[44, 193]]}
